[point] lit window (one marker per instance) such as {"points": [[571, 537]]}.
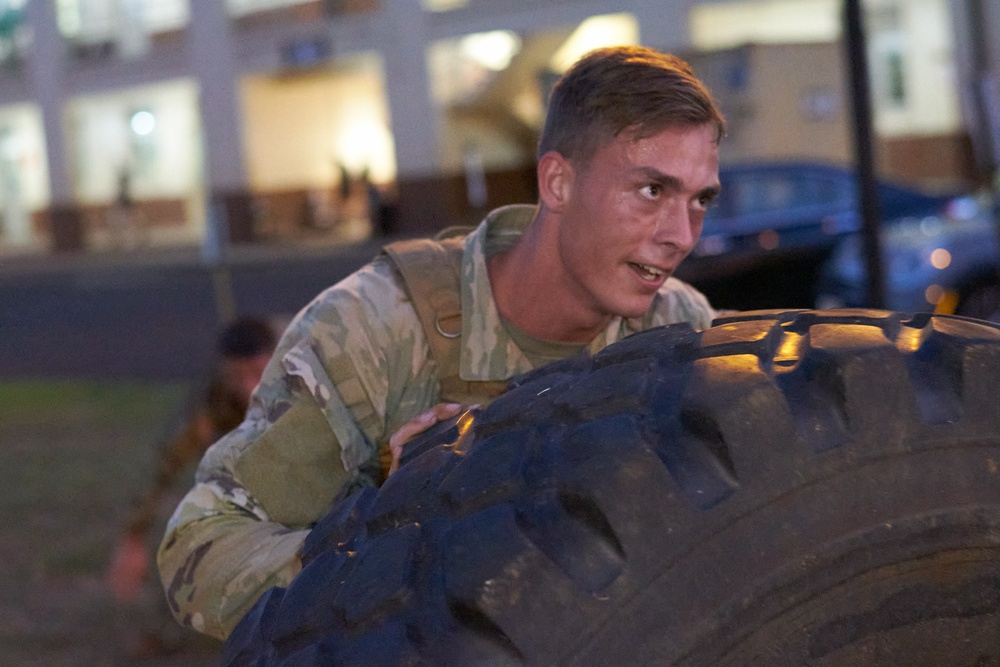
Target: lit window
{"points": [[720, 25], [244, 7], [594, 33], [493, 50], [463, 67], [443, 5]]}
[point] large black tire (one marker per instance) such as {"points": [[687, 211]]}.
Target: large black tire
{"points": [[786, 488]]}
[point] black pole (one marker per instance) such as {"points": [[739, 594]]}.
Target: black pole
{"points": [[864, 152], [989, 154]]}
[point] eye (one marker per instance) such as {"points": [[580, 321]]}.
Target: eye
{"points": [[651, 191], [706, 200]]}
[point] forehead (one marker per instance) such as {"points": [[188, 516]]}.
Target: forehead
{"points": [[672, 148]]}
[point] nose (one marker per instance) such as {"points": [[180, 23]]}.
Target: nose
{"points": [[677, 226]]}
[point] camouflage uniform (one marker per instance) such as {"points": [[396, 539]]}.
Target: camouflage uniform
{"points": [[350, 370]]}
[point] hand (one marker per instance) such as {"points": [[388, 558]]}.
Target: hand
{"points": [[129, 567], [418, 425]]}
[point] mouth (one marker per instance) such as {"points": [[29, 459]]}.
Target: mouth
{"points": [[650, 273]]}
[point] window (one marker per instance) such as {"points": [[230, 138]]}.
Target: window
{"points": [[100, 28], [13, 34]]}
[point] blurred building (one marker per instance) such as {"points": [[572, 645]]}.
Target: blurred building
{"points": [[233, 121], [778, 68]]}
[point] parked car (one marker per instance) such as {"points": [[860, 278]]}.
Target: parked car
{"points": [[946, 263], [774, 225]]}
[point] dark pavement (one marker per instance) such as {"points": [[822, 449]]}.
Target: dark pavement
{"points": [[149, 314], [154, 314]]}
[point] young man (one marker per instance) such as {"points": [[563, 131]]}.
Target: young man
{"points": [[627, 165]]}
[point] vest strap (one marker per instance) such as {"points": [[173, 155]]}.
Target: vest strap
{"points": [[431, 271]]}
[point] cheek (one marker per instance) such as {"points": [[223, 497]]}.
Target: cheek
{"points": [[696, 223], [250, 383], [605, 228]]}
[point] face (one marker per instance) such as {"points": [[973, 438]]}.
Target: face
{"points": [[631, 214], [243, 374]]}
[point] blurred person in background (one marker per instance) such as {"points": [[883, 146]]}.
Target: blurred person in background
{"points": [[215, 407], [124, 224]]}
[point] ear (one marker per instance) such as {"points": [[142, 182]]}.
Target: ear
{"points": [[555, 181]]}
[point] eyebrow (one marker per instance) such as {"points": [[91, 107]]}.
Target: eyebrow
{"points": [[711, 192]]}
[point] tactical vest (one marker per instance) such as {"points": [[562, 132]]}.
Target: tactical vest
{"points": [[430, 271]]}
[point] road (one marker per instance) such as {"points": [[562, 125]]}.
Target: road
{"points": [[152, 315], [155, 314]]}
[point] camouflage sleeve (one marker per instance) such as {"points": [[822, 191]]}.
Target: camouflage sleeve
{"points": [[351, 368], [216, 560]]}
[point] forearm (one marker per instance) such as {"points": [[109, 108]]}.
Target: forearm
{"points": [[311, 432], [216, 559], [234, 535]]}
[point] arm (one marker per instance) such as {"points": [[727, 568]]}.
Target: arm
{"points": [[223, 548], [351, 368], [216, 561]]}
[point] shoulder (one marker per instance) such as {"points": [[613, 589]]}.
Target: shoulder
{"points": [[366, 319], [370, 298], [374, 287], [678, 301]]}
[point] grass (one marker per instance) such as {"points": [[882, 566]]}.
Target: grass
{"points": [[73, 457]]}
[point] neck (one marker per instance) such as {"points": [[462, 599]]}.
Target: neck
{"points": [[532, 292]]}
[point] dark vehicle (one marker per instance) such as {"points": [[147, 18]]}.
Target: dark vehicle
{"points": [[775, 224], [946, 263]]}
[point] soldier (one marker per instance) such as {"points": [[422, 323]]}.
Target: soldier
{"points": [[244, 348], [627, 164]]}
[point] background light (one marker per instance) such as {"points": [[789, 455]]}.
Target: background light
{"points": [[940, 259], [595, 32], [143, 123], [493, 50]]}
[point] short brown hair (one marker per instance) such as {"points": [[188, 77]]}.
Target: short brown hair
{"points": [[246, 337], [624, 88]]}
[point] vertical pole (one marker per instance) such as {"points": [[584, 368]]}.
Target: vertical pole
{"points": [[212, 55], [46, 66], [987, 97], [416, 120], [861, 111]]}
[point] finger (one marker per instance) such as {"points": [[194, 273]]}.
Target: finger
{"points": [[422, 422], [416, 426], [447, 410]]}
